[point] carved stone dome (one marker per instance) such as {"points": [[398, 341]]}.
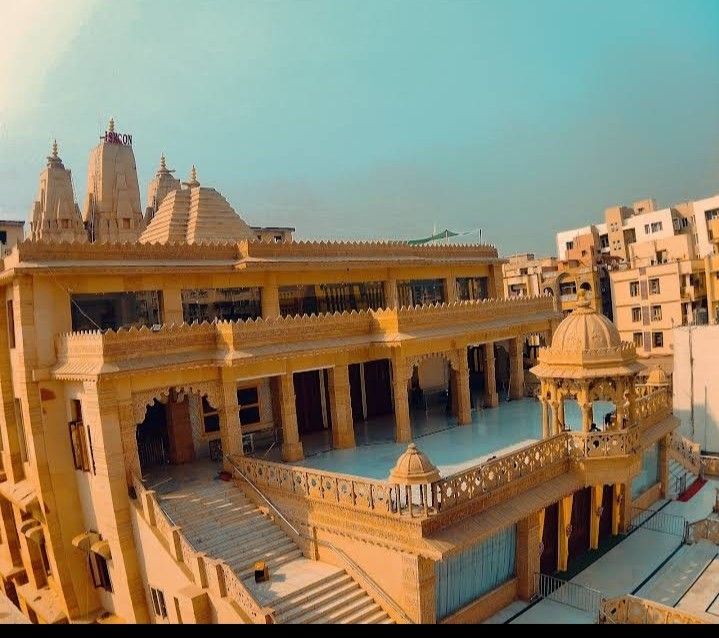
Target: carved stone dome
{"points": [[413, 468], [657, 376], [585, 330]]}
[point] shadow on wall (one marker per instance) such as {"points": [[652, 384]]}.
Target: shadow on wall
{"points": [[706, 425]]}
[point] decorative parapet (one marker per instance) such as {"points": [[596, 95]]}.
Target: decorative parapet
{"points": [[653, 407], [632, 610], [97, 347], [686, 452], [380, 249], [205, 572], [709, 465], [706, 529], [587, 445]]}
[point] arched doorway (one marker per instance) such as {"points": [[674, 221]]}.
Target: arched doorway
{"points": [[165, 435]]}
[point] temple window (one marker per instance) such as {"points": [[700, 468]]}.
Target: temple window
{"points": [[115, 310], [470, 288], [222, 304], [210, 417], [82, 456], [329, 298], [10, 323], [158, 603], [249, 401], [420, 292]]}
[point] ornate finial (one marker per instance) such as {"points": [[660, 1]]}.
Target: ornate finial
{"points": [[163, 166], [54, 149], [583, 300], [111, 126], [54, 159], [192, 183]]}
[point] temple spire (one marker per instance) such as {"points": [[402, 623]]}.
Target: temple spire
{"points": [[192, 183], [54, 159], [111, 126]]}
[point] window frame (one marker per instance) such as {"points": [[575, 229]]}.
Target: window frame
{"points": [[636, 314], [650, 287], [158, 602], [634, 288], [638, 343], [659, 334], [10, 323], [656, 313]]}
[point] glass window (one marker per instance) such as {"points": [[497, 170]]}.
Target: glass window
{"points": [[633, 288], [249, 401], [638, 339], [222, 304], [654, 287], [469, 288], [636, 314], [420, 292], [115, 310], [656, 227], [658, 339], [100, 572], [158, 602], [570, 245], [656, 313]]}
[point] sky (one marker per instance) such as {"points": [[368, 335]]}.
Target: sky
{"points": [[375, 118]]}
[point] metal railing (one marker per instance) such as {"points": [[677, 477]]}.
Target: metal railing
{"points": [[339, 552], [658, 521], [568, 593]]}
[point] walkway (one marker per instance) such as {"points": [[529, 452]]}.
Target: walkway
{"points": [[9, 614], [632, 566], [451, 447]]}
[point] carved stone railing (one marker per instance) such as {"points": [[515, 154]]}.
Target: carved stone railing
{"points": [[706, 529], [330, 487], [205, 572], [604, 444], [653, 407], [479, 480], [686, 452], [709, 465], [631, 610], [357, 250], [221, 338]]}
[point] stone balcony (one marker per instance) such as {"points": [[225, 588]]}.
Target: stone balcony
{"points": [[376, 333]]}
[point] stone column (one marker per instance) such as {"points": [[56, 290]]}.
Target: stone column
{"points": [[527, 555], [418, 587], [621, 508], [565, 519], [106, 414], [400, 377], [390, 293], [230, 426], [561, 421], [555, 417], [270, 298], [631, 403], [343, 434], [585, 405], [664, 444], [594, 515], [291, 445], [545, 418], [490, 382], [464, 403], [450, 289], [516, 367], [619, 403]]}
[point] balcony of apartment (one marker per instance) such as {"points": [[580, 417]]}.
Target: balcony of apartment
{"points": [[221, 343], [713, 230], [693, 292]]}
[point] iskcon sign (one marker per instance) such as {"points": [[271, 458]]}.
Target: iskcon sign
{"points": [[111, 137]]}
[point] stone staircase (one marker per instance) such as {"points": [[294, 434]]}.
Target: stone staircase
{"points": [[676, 481], [217, 518]]}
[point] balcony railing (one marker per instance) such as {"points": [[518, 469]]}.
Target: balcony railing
{"points": [[631, 610]]}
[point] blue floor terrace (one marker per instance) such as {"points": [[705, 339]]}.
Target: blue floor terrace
{"points": [[451, 447]]}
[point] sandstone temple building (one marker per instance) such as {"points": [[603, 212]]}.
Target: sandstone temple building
{"points": [[185, 395]]}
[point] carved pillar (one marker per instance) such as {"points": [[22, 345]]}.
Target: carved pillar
{"points": [[564, 532], [450, 289], [172, 305], [106, 413], [621, 508], [619, 402], [128, 433], [390, 293], [585, 405], [594, 515], [554, 402], [631, 403], [400, 378], [562, 423], [230, 426], [529, 537], [490, 382], [291, 445], [343, 434], [464, 404], [664, 444], [270, 298], [545, 418], [516, 367]]}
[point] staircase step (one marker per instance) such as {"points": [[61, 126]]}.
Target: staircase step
{"points": [[272, 565], [212, 518], [244, 556], [227, 541], [376, 618], [313, 590], [326, 596], [354, 615], [334, 607]]}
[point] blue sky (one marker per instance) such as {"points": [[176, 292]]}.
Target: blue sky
{"points": [[377, 118]]}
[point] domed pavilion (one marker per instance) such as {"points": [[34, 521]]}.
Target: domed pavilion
{"points": [[589, 362]]}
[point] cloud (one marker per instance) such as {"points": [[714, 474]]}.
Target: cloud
{"points": [[34, 36]]}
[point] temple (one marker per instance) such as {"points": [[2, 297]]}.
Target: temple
{"points": [[202, 427]]}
